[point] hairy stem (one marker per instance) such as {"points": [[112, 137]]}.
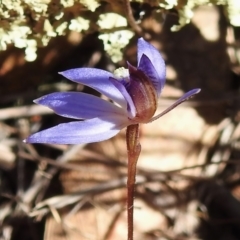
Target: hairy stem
{"points": [[134, 149]]}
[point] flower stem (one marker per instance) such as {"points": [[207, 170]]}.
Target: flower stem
{"points": [[134, 149]]}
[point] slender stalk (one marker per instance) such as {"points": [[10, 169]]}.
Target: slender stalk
{"points": [[134, 149]]}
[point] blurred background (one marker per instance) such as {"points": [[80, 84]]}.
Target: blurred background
{"points": [[188, 182]]}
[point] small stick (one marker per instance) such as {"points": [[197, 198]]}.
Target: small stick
{"points": [[131, 19], [26, 111]]}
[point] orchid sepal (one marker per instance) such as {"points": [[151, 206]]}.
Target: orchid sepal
{"points": [[182, 99]]}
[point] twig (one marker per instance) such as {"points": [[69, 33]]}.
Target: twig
{"points": [[64, 200], [154, 175], [26, 111], [113, 222], [61, 201], [131, 19], [39, 182], [70, 166]]}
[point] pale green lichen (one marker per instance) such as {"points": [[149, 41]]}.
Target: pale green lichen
{"points": [[186, 11], [30, 24], [115, 41], [111, 20], [62, 28], [79, 24], [90, 4], [168, 4], [233, 8], [67, 3]]}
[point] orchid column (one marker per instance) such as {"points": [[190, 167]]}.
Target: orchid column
{"points": [[134, 93]]}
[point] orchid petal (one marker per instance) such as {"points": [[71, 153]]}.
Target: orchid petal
{"points": [[88, 131], [155, 57], [131, 108], [97, 79], [182, 99], [79, 105], [147, 67]]}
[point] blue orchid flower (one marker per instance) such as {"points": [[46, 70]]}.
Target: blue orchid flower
{"points": [[133, 98]]}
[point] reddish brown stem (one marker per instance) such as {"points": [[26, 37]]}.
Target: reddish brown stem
{"points": [[134, 149]]}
